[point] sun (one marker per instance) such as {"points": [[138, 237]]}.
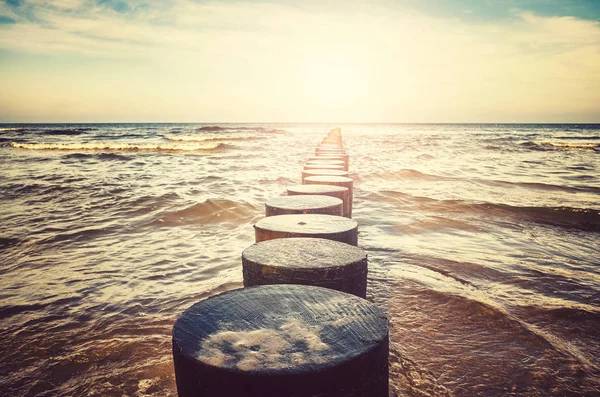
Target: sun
{"points": [[334, 79]]}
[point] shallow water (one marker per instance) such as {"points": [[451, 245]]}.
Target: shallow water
{"points": [[483, 245]]}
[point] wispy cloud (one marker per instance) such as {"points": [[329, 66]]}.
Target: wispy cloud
{"points": [[6, 20]]}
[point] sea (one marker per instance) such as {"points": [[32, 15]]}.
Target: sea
{"points": [[483, 243]]}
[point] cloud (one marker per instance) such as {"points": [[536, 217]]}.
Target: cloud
{"points": [[261, 61], [6, 20], [13, 3], [118, 6]]}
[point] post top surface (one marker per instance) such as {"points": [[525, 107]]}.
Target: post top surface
{"points": [[317, 189], [303, 252], [303, 202], [328, 178], [323, 171], [279, 329], [307, 223]]}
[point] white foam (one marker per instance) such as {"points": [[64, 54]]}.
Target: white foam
{"points": [[204, 138], [116, 146]]}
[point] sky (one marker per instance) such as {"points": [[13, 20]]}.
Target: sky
{"points": [[404, 61]]}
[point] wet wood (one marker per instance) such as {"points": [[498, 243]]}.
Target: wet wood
{"points": [[304, 204], [336, 181], [339, 162], [329, 151], [322, 171], [282, 340], [343, 157], [306, 261], [327, 162], [319, 166], [333, 145], [331, 227], [326, 190]]}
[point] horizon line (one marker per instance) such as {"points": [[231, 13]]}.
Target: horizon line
{"points": [[296, 122]]}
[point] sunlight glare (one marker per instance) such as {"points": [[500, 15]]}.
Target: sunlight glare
{"points": [[335, 79]]}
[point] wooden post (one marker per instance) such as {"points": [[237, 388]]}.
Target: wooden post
{"points": [[322, 171], [330, 227], [304, 204], [344, 157], [319, 166], [334, 180], [307, 261], [340, 192], [281, 340]]}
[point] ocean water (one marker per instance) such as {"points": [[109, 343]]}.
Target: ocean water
{"points": [[483, 244]]}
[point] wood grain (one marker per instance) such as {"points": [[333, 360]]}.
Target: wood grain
{"points": [[282, 340], [304, 204], [306, 261]]}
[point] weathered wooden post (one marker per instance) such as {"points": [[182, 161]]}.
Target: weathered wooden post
{"points": [[343, 157], [307, 261], [304, 204], [323, 171], [281, 340], [326, 190], [330, 227], [334, 180], [319, 166]]}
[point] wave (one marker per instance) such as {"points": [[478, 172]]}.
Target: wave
{"points": [[208, 138], [414, 174], [580, 138], [402, 174], [211, 128], [125, 147], [8, 241], [541, 186], [215, 128], [550, 146], [208, 211], [585, 219], [13, 129], [69, 132], [98, 156], [436, 224]]}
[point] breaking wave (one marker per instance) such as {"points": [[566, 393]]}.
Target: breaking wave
{"points": [[549, 146], [68, 131], [125, 147], [215, 128], [209, 138]]}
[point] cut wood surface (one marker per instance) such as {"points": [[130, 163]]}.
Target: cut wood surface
{"points": [[307, 261], [304, 204], [334, 180], [340, 192], [281, 340], [332, 227]]}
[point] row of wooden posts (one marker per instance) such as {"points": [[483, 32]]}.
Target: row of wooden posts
{"points": [[301, 326]]}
